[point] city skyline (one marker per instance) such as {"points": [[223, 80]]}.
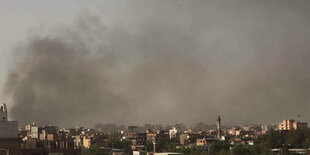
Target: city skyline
{"points": [[134, 62], [107, 139], [154, 77]]}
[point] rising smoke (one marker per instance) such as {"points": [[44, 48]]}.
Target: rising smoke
{"points": [[166, 62]]}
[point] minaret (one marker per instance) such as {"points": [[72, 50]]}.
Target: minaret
{"points": [[219, 130], [3, 112]]}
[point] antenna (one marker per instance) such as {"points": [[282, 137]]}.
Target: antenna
{"points": [[298, 117]]}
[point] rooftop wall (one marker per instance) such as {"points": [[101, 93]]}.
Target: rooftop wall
{"points": [[8, 129]]}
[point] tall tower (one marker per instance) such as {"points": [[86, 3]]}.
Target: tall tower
{"points": [[3, 112], [219, 130]]}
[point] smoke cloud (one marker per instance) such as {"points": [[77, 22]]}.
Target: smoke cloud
{"points": [[167, 62]]}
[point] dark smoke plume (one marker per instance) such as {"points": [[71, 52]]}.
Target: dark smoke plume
{"points": [[167, 62]]}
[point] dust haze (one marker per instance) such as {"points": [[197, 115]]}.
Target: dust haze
{"points": [[173, 61]]}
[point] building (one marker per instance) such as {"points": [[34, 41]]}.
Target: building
{"points": [[9, 140], [167, 153], [132, 129], [151, 137], [292, 125], [77, 141], [142, 153], [86, 141], [201, 142], [186, 139], [43, 135], [286, 125], [300, 125], [174, 132], [34, 131], [232, 131]]}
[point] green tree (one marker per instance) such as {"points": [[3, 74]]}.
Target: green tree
{"points": [[224, 152], [295, 138], [93, 150], [241, 150], [306, 143], [218, 146], [148, 146], [114, 142]]}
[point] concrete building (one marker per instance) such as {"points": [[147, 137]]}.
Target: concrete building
{"points": [[43, 135], [87, 141], [264, 128], [167, 153], [9, 140], [300, 125], [201, 142], [136, 139], [186, 139], [292, 125], [132, 129], [232, 131], [142, 153], [77, 142], [28, 127], [286, 124], [34, 131], [151, 137], [51, 136], [8, 129], [174, 132]]}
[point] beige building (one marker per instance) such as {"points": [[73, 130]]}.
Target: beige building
{"points": [[77, 142], [231, 131], [201, 142], [286, 124], [51, 137], [86, 142], [292, 125], [43, 135]]}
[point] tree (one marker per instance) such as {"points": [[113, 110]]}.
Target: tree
{"points": [[93, 150], [224, 152], [240, 150], [306, 143], [148, 146], [218, 146], [114, 142], [295, 138]]}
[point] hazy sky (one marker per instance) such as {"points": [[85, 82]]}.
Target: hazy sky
{"points": [[20, 18], [155, 61]]}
